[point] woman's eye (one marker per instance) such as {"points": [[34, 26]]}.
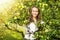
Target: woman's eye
{"points": [[35, 11]]}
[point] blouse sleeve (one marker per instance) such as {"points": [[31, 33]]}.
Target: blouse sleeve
{"points": [[27, 29]]}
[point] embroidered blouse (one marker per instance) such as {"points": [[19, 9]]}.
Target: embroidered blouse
{"points": [[30, 30]]}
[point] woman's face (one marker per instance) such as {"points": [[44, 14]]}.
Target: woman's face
{"points": [[34, 12]]}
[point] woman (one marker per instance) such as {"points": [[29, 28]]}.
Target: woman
{"points": [[32, 27]]}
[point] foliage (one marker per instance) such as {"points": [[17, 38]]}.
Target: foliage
{"points": [[16, 18]]}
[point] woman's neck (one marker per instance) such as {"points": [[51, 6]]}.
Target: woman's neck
{"points": [[34, 19]]}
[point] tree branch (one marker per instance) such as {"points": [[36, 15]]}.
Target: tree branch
{"points": [[14, 30]]}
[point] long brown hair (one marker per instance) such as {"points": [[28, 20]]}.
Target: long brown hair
{"points": [[38, 16]]}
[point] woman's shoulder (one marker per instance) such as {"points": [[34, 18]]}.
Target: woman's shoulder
{"points": [[31, 23]]}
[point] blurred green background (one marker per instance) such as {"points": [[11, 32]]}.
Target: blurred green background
{"points": [[14, 15]]}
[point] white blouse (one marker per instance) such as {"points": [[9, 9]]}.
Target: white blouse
{"points": [[30, 30]]}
